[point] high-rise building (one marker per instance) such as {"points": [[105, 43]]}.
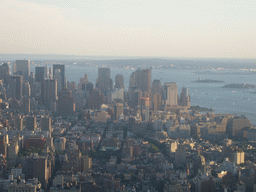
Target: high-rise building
{"points": [[184, 99], [49, 92], [170, 94], [41, 74], [25, 104], [236, 124], [66, 104], [5, 71], [37, 167], [104, 82], [15, 87], [26, 91], [59, 72], [180, 154], [141, 79], [46, 124], [156, 87], [119, 108], [119, 81], [86, 163], [23, 68], [19, 123], [31, 123]]}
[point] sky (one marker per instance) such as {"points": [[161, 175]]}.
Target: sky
{"points": [[147, 28]]}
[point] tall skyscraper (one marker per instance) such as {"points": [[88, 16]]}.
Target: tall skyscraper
{"points": [[41, 74], [156, 94], [184, 99], [15, 87], [119, 81], [59, 70], [119, 108], [49, 92], [5, 71], [66, 104], [46, 124], [170, 94], [104, 82], [31, 123], [23, 68], [141, 79]]}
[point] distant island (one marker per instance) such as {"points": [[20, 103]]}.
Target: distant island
{"points": [[207, 81], [236, 85], [198, 108]]}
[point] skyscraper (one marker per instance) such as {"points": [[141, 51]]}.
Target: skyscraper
{"points": [[141, 79], [184, 99], [119, 81], [15, 87], [66, 104], [104, 82], [49, 91], [59, 70], [23, 68], [5, 71], [170, 94], [31, 123], [46, 124], [41, 73]]}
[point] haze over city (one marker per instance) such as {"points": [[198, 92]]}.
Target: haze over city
{"points": [[222, 29]]}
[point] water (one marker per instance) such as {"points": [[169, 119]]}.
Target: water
{"points": [[210, 95]]}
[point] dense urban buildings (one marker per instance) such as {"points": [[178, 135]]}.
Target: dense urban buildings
{"points": [[63, 136]]}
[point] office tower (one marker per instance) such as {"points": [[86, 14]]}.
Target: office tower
{"points": [[71, 86], [19, 123], [5, 71], [41, 74], [25, 104], [141, 79], [236, 125], [156, 87], [86, 163], [15, 87], [66, 104], [135, 98], [156, 95], [23, 68], [50, 73], [89, 87], [3, 144], [59, 73], [170, 94], [104, 82], [82, 82], [119, 108], [116, 95], [180, 154], [49, 92], [46, 124], [38, 167], [184, 99], [156, 101], [119, 81], [95, 100], [31, 123], [238, 157], [26, 89]]}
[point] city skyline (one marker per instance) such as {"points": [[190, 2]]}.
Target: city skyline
{"points": [[221, 29]]}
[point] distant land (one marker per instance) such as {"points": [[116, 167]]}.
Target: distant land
{"points": [[135, 62], [207, 81], [201, 109], [240, 86]]}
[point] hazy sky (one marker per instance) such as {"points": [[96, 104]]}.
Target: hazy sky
{"points": [[159, 28]]}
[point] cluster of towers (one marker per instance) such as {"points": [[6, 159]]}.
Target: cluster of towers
{"points": [[25, 90]]}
